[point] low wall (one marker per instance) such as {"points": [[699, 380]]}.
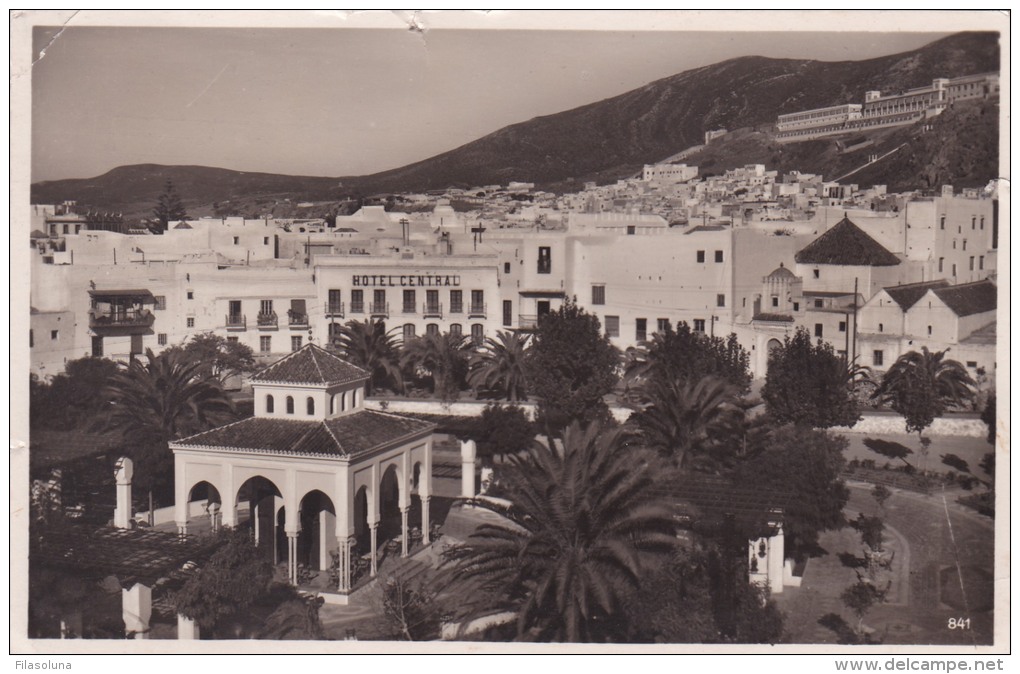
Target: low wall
{"points": [[195, 509], [880, 424], [461, 409]]}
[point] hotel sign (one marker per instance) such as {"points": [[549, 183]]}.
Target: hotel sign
{"points": [[405, 280]]}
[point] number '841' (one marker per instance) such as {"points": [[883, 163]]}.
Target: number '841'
{"points": [[959, 623]]}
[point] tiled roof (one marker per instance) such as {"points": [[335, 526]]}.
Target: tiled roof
{"points": [[311, 365], [848, 245], [350, 435], [908, 294], [970, 298], [782, 318]]}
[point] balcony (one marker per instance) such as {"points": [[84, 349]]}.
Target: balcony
{"points": [[432, 310], [121, 321], [476, 311], [409, 309], [268, 321], [237, 322], [527, 321], [297, 320], [357, 307], [336, 310], [379, 309]]}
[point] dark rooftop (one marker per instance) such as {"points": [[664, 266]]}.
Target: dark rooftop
{"points": [[908, 294], [346, 436], [969, 298], [847, 245], [782, 318], [311, 365]]}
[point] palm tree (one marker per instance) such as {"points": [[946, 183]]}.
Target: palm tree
{"points": [[169, 397], [583, 521], [443, 357], [368, 345], [921, 385], [685, 421], [500, 365]]}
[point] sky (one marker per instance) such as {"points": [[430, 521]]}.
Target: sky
{"points": [[348, 101]]}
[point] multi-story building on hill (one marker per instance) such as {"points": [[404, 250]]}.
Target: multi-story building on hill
{"points": [[819, 117]]}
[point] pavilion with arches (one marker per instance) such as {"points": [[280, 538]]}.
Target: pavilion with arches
{"points": [[319, 472]]}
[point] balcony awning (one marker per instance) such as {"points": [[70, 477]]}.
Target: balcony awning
{"points": [[542, 292], [130, 293]]}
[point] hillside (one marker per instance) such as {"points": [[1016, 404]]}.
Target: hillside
{"points": [[613, 138]]}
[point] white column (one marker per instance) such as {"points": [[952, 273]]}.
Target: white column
{"points": [[776, 559], [137, 609], [403, 531], [375, 552], [425, 536], [124, 473], [228, 498], [327, 538], [292, 557], [468, 452], [180, 495], [214, 516], [186, 628]]}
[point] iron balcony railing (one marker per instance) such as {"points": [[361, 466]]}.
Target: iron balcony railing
{"points": [[409, 308], [237, 322], [297, 319], [457, 307], [476, 311], [357, 307], [335, 309], [527, 321], [268, 321], [121, 319], [380, 309], [432, 310]]}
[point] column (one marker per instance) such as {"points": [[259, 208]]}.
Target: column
{"points": [[425, 536], [122, 513], [292, 557], [403, 531], [468, 451], [214, 519], [375, 551], [180, 496], [347, 547], [186, 628], [137, 609], [327, 538], [776, 560]]}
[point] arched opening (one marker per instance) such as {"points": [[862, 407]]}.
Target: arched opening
{"points": [[310, 406], [332, 405], [290, 405], [205, 507], [261, 498], [389, 505], [317, 537], [361, 530], [355, 398], [269, 404]]}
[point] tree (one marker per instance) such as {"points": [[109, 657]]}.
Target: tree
{"points": [[166, 399], [296, 616], [368, 345], [169, 208], [686, 421], [570, 367], [410, 609], [218, 356], [687, 356], [73, 398], [503, 430], [810, 385], [881, 494], [443, 358], [806, 465], [501, 365], [571, 546], [988, 416], [921, 385], [235, 577]]}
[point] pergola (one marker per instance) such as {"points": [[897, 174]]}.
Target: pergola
{"points": [[312, 464]]}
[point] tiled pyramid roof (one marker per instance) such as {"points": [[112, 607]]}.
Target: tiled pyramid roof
{"points": [[847, 245], [781, 272], [969, 298], [908, 294], [310, 365], [346, 436]]}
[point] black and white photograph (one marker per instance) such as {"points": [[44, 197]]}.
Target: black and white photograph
{"points": [[458, 331]]}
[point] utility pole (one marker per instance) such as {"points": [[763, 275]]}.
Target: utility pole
{"points": [[854, 354]]}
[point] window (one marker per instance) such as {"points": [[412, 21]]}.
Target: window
{"points": [[982, 222], [31, 338], [295, 342], [432, 301], [775, 300], [54, 335], [954, 244], [266, 307], [818, 329], [432, 329], [942, 222], [972, 263], [631, 230], [160, 302], [456, 301], [477, 301], [954, 270], [662, 324], [191, 321], [478, 334], [161, 339], [598, 294], [973, 221], [972, 363], [819, 304], [456, 330], [237, 240], [941, 262], [965, 244], [508, 310], [816, 273], [334, 301], [357, 301], [290, 405], [981, 262], [877, 358], [265, 344], [699, 325], [506, 267], [842, 326], [191, 294], [641, 329], [796, 306], [409, 301], [379, 300], [408, 331], [613, 326], [269, 404], [233, 338], [718, 256], [310, 405], [701, 256], [720, 300], [97, 346], [881, 327], [544, 260]]}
